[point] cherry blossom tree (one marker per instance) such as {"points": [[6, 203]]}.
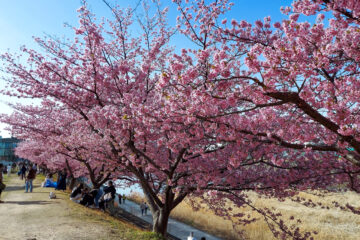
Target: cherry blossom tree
{"points": [[248, 108], [56, 143]]}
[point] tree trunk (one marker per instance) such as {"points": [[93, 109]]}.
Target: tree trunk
{"points": [[160, 221], [72, 183], [72, 179]]}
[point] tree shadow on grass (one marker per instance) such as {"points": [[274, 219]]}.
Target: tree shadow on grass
{"points": [[14, 188], [28, 202], [17, 187], [40, 192]]}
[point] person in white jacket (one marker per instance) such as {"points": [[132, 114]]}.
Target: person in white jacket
{"points": [[191, 237], [9, 170]]}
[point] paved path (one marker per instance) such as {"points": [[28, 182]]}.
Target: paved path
{"points": [[175, 227]]}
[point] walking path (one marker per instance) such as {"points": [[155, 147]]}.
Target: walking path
{"points": [[175, 227]]}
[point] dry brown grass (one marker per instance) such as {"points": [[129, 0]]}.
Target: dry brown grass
{"points": [[330, 223], [136, 197], [205, 220]]}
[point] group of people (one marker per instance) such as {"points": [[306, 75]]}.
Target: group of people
{"points": [[7, 170], [31, 174], [87, 197], [143, 208], [60, 184], [25, 171], [121, 197]]}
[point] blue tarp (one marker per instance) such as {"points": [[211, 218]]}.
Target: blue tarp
{"points": [[50, 183]]}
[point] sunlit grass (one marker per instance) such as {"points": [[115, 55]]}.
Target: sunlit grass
{"points": [[121, 229]]}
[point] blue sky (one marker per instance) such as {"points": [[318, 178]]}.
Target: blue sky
{"points": [[20, 20]]}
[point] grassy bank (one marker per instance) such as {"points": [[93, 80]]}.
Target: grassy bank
{"points": [[120, 229]]}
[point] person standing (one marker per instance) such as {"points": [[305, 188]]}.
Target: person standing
{"points": [[23, 171], [119, 196], [191, 237], [29, 179], [61, 182], [142, 208], [35, 167], [2, 185], [146, 208], [109, 194], [9, 170]]}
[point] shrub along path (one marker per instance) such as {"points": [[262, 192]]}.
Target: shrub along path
{"points": [[33, 216]]}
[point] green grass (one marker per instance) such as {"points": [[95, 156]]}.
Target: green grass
{"points": [[40, 177], [120, 229]]}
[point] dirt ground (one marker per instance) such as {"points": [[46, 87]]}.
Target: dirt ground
{"points": [[33, 216]]}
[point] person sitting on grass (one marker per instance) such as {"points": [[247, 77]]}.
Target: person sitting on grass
{"points": [[76, 193], [88, 197], [48, 182], [109, 195]]}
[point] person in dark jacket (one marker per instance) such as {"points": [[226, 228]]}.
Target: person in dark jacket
{"points": [[61, 182], [29, 179], [109, 194], [88, 197], [119, 196], [22, 171]]}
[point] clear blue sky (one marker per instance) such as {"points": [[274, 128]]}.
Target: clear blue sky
{"points": [[20, 20]]}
